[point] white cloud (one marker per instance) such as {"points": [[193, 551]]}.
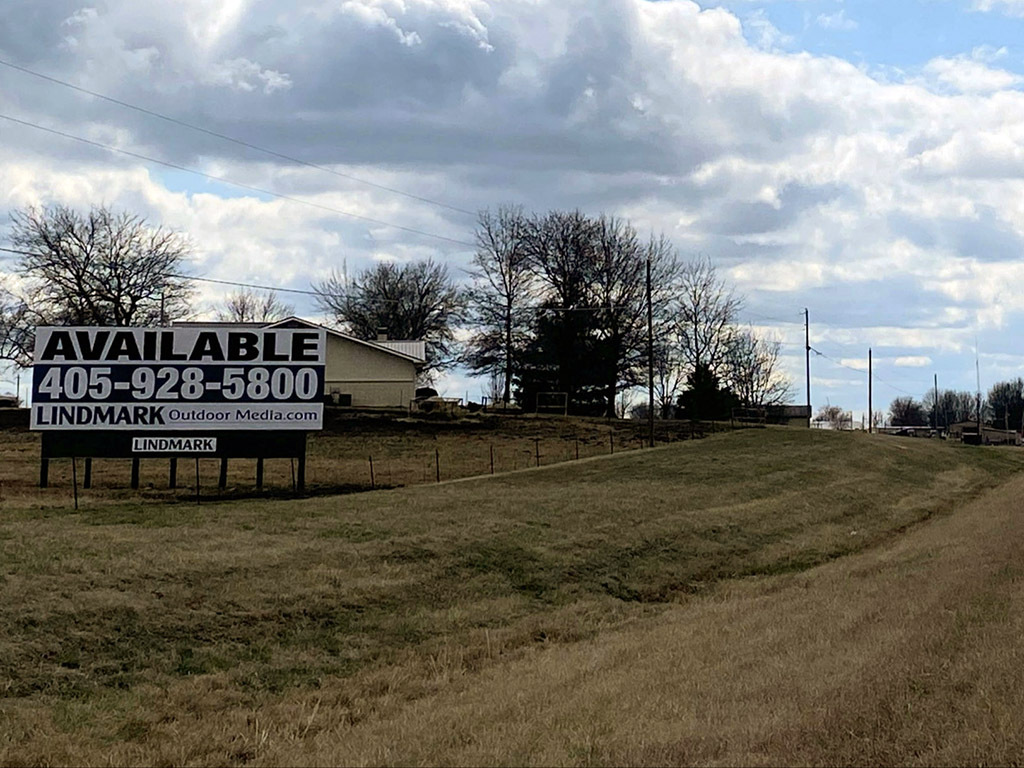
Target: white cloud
{"points": [[1009, 7], [838, 20], [893, 208], [912, 361], [244, 75], [970, 74]]}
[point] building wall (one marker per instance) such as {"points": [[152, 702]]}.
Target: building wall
{"points": [[373, 378]]}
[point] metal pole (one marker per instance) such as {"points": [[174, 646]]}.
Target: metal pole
{"points": [[87, 483], [437, 464], [373, 481], [197, 480], [871, 411], [650, 356], [74, 479], [807, 344], [936, 404]]}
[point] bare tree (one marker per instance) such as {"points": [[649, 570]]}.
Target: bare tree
{"points": [[562, 354], [250, 306], [15, 329], [498, 301], [620, 288], [669, 376], [753, 371], [835, 417], [99, 268], [417, 301], [907, 412], [706, 310]]}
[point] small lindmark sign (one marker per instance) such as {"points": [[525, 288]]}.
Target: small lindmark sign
{"points": [[174, 445]]}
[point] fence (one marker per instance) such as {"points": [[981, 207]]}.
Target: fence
{"points": [[341, 463]]}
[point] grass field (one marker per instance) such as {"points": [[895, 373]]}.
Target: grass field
{"points": [[405, 452], [688, 604]]}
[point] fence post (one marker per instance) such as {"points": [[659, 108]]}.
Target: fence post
{"points": [[492, 458], [437, 464], [373, 481]]}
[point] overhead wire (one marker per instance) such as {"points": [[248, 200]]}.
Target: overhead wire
{"points": [[9, 253], [232, 139], [874, 375], [241, 185]]}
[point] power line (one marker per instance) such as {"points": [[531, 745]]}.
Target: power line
{"points": [[781, 319], [875, 376], [239, 184], [260, 287], [233, 140]]}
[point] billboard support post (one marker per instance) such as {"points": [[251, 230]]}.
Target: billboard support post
{"points": [[172, 474], [87, 482], [135, 474]]}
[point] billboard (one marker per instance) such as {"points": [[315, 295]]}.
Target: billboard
{"points": [[184, 380]]}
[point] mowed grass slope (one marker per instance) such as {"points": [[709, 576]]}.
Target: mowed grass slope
{"points": [[255, 630]]}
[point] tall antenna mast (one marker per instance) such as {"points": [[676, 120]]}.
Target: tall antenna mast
{"points": [[977, 373]]}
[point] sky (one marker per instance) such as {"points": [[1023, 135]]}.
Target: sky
{"points": [[863, 160]]}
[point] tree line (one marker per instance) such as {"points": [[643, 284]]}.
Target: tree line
{"points": [[1002, 408], [552, 303]]}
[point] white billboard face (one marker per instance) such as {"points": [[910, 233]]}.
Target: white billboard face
{"points": [[175, 379]]}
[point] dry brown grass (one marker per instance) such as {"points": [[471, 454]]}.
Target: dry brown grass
{"points": [[405, 452], [657, 607]]}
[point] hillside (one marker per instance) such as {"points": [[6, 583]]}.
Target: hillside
{"points": [[327, 628]]}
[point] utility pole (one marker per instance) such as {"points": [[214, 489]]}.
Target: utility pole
{"points": [[650, 357], [163, 309], [936, 404], [807, 343], [871, 412], [977, 373]]}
